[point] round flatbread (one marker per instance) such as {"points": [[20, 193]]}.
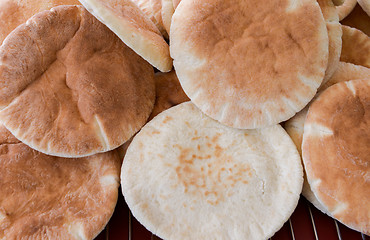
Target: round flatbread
{"points": [[250, 64], [355, 47], [153, 10], [14, 12], [335, 36], [237, 184], [346, 8], [336, 146], [69, 87], [358, 19], [45, 197], [295, 126], [134, 28], [365, 5], [168, 94], [167, 12]]}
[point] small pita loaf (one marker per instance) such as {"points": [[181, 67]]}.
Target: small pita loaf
{"points": [[45, 197], [365, 5], [134, 28], [336, 146], [14, 12], [69, 87], [346, 8], [237, 184], [355, 47], [235, 60], [153, 10], [358, 19]]}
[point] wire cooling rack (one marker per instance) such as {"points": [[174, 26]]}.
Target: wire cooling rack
{"points": [[306, 223]]}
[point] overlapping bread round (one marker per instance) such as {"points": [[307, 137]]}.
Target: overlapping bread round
{"points": [[295, 125], [355, 47], [14, 12], [45, 197], [335, 152], [249, 64], [187, 176], [69, 87], [134, 28]]}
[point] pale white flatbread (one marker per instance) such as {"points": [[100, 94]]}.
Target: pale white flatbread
{"points": [[186, 176]]}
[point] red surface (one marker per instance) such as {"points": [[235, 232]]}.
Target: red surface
{"points": [[301, 223]]}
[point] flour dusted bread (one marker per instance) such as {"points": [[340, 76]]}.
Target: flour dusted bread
{"points": [[336, 153], [134, 28], [45, 197], [295, 125], [15, 12], [186, 176], [355, 47], [249, 64], [69, 87]]}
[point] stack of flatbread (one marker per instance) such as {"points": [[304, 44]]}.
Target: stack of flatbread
{"points": [[213, 115]]}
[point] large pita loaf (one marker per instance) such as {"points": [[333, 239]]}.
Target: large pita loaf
{"points": [[295, 126], [15, 12], [250, 64], [134, 28], [45, 197], [336, 152], [186, 176], [69, 87]]}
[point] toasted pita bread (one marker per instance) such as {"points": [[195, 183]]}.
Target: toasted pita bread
{"points": [[358, 19], [234, 61], [346, 8], [45, 197], [134, 28], [355, 47], [237, 184], [69, 87], [336, 146], [14, 12]]}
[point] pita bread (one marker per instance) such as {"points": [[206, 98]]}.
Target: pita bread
{"points": [[153, 10], [69, 87], [14, 12], [45, 197], [235, 61], [136, 30], [176, 3], [335, 146], [335, 36], [167, 12], [355, 47], [237, 184], [365, 5], [358, 19], [295, 126], [346, 8], [168, 94]]}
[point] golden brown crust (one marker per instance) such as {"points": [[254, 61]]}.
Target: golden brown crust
{"points": [[13, 13], [45, 197], [355, 47], [239, 61], [335, 146], [358, 19], [72, 87]]}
